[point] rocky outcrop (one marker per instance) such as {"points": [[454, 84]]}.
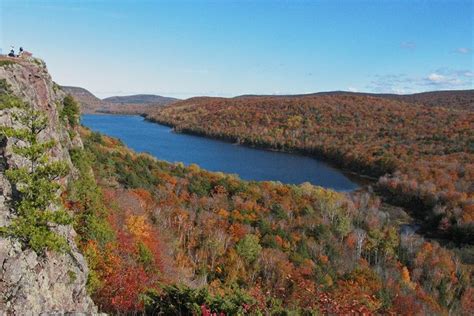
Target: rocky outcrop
{"points": [[30, 283]]}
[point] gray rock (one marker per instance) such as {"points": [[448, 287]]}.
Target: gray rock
{"points": [[53, 284]]}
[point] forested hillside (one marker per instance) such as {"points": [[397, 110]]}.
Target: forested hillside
{"points": [[140, 99], [89, 103], [424, 155], [170, 239], [457, 99], [461, 99]]}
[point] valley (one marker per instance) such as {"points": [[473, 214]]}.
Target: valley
{"points": [[153, 236], [237, 158], [214, 155], [422, 155], [267, 237]]}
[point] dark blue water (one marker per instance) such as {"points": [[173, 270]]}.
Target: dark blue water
{"points": [[249, 163]]}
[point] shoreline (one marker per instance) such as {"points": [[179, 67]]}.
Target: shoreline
{"points": [[365, 182], [364, 178]]}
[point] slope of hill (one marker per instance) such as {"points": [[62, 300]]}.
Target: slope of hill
{"points": [[426, 152], [217, 244], [134, 104], [459, 99], [140, 99], [89, 102]]}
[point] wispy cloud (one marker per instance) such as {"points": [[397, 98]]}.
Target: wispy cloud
{"points": [[440, 79], [463, 50], [393, 83], [449, 78], [436, 78], [410, 45]]}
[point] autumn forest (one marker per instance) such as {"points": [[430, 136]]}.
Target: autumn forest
{"points": [[237, 158], [165, 238], [422, 155]]}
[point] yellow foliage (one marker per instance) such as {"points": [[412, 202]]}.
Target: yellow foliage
{"points": [[406, 275], [328, 280], [194, 168], [223, 213], [138, 226]]}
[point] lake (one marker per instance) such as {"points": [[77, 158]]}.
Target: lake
{"points": [[214, 155]]}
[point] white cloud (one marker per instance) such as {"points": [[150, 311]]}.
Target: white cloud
{"points": [[352, 89], [439, 79], [436, 78], [463, 50]]}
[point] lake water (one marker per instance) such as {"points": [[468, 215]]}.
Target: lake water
{"points": [[249, 163]]}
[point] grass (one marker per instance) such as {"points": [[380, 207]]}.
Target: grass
{"points": [[4, 63]]}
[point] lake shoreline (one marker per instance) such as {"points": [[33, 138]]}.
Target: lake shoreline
{"points": [[370, 181], [249, 162], [364, 179]]}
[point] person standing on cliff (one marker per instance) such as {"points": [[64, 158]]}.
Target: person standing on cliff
{"points": [[12, 51]]}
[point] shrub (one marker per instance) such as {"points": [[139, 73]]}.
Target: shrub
{"points": [[200, 186], [4, 63], [96, 137], [182, 300], [145, 256], [4, 86]]}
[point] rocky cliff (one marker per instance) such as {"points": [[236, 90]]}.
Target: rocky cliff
{"points": [[33, 282]]}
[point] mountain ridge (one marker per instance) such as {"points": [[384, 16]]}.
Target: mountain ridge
{"points": [[140, 99], [132, 104], [463, 99]]}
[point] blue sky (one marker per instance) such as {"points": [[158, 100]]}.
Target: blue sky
{"points": [[227, 48]]}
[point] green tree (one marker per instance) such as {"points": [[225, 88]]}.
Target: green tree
{"points": [[342, 226], [36, 203], [70, 111], [249, 248]]}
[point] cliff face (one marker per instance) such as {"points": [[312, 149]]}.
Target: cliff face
{"points": [[32, 283]]}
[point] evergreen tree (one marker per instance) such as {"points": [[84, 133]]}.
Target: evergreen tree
{"points": [[34, 184]]}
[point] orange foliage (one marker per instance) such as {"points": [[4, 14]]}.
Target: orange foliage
{"points": [[278, 243], [423, 149]]}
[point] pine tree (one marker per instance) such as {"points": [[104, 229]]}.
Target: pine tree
{"points": [[34, 184]]}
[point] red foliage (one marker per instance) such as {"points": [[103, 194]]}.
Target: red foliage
{"points": [[122, 287], [428, 146]]}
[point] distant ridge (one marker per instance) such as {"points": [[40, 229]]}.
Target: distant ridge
{"points": [[460, 99], [140, 99], [132, 104], [89, 102], [142, 103]]}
